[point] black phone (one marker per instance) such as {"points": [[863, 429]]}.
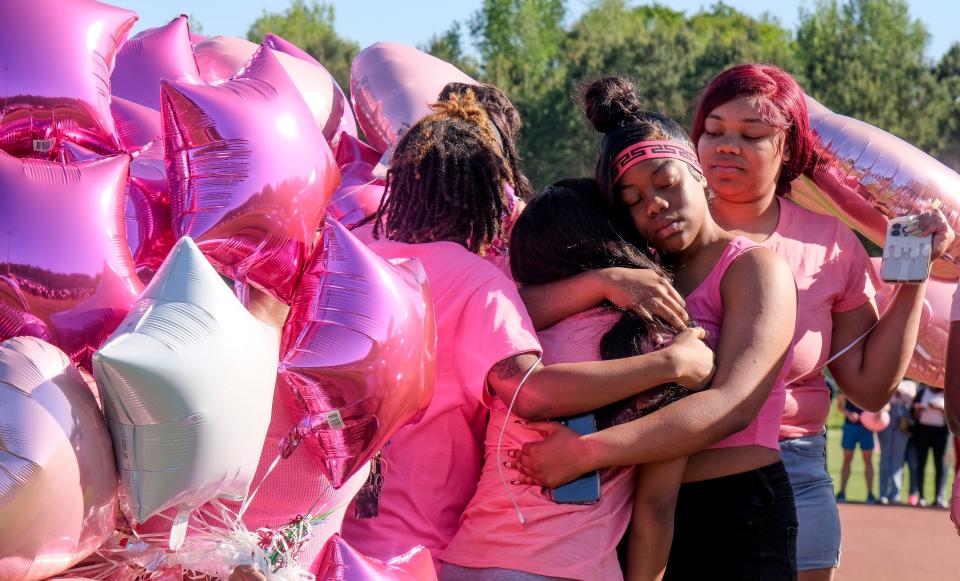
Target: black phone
{"points": [[586, 489]]}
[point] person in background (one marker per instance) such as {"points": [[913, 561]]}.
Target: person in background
{"points": [[854, 434], [951, 393], [893, 442], [930, 433]]}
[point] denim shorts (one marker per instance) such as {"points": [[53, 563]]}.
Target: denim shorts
{"points": [[818, 541]]}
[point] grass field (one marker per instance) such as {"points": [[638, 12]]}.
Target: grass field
{"points": [[857, 486]]}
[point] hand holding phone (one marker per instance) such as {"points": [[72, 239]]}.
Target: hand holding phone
{"points": [[906, 256], [586, 489]]}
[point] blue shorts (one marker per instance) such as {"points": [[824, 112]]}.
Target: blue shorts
{"points": [[818, 534], [854, 434]]}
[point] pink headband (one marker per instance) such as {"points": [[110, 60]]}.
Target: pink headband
{"points": [[644, 150]]}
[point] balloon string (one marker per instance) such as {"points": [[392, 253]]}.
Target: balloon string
{"points": [[253, 493], [503, 430]]}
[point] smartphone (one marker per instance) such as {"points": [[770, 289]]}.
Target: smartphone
{"points": [[586, 489], [906, 257]]}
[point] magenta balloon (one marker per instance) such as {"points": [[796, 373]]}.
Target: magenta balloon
{"points": [[341, 562], [66, 274], [147, 58], [249, 171], [58, 481], [868, 176], [341, 121], [359, 194], [56, 59], [358, 351], [392, 86], [929, 357], [137, 125]]}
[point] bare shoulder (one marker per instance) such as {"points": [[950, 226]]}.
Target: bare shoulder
{"points": [[760, 266]]}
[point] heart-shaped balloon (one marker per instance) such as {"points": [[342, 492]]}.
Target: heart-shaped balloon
{"points": [[341, 562], [249, 171], [56, 59], [360, 192], [147, 58], [393, 86], [58, 482], [359, 350]]}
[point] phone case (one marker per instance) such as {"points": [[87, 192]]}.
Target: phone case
{"points": [[586, 489], [906, 258]]}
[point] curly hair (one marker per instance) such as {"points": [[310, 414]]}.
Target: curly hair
{"points": [[446, 180]]}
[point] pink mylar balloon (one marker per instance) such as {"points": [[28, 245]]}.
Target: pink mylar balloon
{"points": [[341, 562], [137, 125], [358, 352], [66, 274], [867, 176], [393, 86], [56, 59], [58, 482], [249, 171], [929, 356], [147, 58], [875, 421], [359, 194]]}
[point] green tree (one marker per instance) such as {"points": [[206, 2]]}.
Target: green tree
{"points": [[948, 75], [449, 47], [310, 25]]}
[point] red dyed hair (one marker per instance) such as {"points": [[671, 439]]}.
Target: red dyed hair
{"points": [[782, 105]]}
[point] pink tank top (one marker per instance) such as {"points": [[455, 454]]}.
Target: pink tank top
{"points": [[705, 306]]}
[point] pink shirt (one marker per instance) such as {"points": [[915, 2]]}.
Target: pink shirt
{"points": [[831, 269], [705, 306], [433, 467], [559, 540]]}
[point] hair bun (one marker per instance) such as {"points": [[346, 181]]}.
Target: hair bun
{"points": [[609, 102]]}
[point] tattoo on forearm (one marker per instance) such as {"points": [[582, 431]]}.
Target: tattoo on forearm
{"points": [[507, 368]]}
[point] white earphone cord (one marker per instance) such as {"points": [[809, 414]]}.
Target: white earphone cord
{"points": [[503, 430]]}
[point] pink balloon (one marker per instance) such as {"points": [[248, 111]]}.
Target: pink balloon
{"points": [[137, 125], [341, 562], [867, 176], [249, 171], [66, 275], [929, 357], [875, 421], [358, 352], [56, 61], [58, 481], [359, 194], [147, 58], [392, 87]]}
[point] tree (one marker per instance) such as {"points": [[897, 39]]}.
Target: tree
{"points": [[449, 47], [948, 74], [310, 26]]}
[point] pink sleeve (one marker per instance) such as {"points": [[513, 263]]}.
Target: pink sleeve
{"points": [[855, 267], [955, 309], [494, 326]]}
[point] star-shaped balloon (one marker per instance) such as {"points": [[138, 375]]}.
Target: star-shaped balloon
{"points": [[341, 562], [159, 53], [56, 58], [249, 171], [187, 383], [137, 125], [66, 274], [360, 192]]}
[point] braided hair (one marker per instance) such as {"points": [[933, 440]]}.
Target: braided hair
{"points": [[506, 121], [446, 180]]}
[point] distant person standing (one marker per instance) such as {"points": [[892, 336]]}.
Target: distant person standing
{"points": [[930, 433], [893, 442], [854, 434]]}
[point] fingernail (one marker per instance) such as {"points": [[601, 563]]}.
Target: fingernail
{"points": [[514, 482]]}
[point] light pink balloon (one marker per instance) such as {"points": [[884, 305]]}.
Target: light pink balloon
{"points": [[147, 58], [58, 481], [137, 125], [867, 176], [929, 357], [249, 171], [341, 562], [359, 194], [875, 421], [392, 86], [56, 59], [358, 352], [66, 274]]}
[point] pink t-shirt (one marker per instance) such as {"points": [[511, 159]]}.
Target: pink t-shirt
{"points": [[433, 467], [705, 305], [559, 540], [955, 307], [831, 269]]}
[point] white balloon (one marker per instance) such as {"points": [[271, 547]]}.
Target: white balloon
{"points": [[187, 382]]}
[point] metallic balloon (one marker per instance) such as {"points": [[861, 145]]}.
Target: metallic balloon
{"points": [[358, 350], [187, 383], [56, 59], [66, 274], [341, 562], [359, 194], [147, 58], [58, 482], [867, 176], [249, 171], [392, 87], [136, 125]]}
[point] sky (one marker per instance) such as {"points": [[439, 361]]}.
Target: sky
{"points": [[413, 22]]}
